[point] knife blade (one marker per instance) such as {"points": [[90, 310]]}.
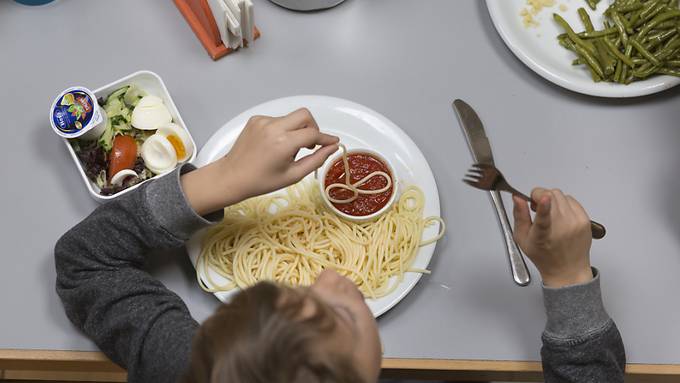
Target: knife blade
{"points": [[474, 133], [480, 148]]}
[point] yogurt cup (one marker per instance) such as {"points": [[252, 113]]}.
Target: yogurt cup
{"points": [[75, 113]]}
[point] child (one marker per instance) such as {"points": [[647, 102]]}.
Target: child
{"points": [[270, 333]]}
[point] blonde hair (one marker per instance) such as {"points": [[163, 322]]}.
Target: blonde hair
{"points": [[261, 338]]}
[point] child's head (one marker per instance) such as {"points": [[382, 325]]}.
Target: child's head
{"points": [[272, 334]]}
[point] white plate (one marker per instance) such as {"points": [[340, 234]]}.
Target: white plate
{"points": [[358, 127], [539, 50]]}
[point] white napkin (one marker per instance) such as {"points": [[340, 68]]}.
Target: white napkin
{"points": [[235, 21], [247, 17]]}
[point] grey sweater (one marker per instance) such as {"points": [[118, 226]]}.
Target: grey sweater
{"points": [[147, 329]]}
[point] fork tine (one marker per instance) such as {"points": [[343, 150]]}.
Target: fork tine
{"points": [[476, 171], [474, 184], [475, 179], [474, 176]]}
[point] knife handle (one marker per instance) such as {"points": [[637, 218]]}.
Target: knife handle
{"points": [[520, 273]]}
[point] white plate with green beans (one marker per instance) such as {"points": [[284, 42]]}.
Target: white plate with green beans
{"points": [[622, 48]]}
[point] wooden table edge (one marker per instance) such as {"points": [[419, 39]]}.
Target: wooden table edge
{"points": [[59, 360], [508, 366]]}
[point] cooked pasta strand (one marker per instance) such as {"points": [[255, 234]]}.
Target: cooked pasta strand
{"points": [[292, 238]]}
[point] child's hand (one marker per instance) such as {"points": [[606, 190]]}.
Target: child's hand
{"points": [[262, 160], [263, 157], [558, 241]]}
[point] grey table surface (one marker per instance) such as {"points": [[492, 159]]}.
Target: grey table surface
{"points": [[619, 157]]}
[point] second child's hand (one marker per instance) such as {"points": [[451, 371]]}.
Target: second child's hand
{"points": [[559, 238], [262, 160]]}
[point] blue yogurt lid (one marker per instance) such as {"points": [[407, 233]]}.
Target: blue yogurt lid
{"points": [[73, 111]]}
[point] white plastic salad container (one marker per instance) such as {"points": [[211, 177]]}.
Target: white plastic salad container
{"points": [[152, 84]]}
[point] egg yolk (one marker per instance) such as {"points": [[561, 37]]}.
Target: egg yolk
{"points": [[176, 143]]}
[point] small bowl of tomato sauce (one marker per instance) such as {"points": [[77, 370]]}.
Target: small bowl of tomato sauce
{"points": [[370, 198]]}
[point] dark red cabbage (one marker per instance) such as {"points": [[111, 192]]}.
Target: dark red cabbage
{"points": [[93, 159]]}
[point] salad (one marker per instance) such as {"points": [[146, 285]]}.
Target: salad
{"points": [[139, 141]]}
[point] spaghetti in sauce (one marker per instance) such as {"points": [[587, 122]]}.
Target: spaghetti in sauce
{"points": [[370, 184]]}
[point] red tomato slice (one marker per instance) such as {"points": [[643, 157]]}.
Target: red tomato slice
{"points": [[123, 154]]}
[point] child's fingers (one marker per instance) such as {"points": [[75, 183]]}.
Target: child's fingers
{"points": [[536, 195], [298, 119], [542, 220], [522, 217], [577, 208], [311, 162], [309, 137], [559, 202]]}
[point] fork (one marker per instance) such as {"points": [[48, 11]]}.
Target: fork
{"points": [[488, 177]]}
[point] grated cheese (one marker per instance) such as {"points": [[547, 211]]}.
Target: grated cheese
{"points": [[533, 8]]}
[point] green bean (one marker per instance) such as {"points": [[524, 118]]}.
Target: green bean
{"points": [[659, 38], [622, 28], [618, 53], [672, 42], [655, 11], [568, 44], [628, 2], [619, 70], [670, 72], [586, 45], [640, 38], [624, 71], [644, 52], [607, 63], [585, 19], [634, 17], [590, 61], [658, 20], [642, 74], [630, 7], [669, 50], [649, 8], [593, 34], [670, 24], [597, 34], [626, 23], [637, 15], [592, 4]]}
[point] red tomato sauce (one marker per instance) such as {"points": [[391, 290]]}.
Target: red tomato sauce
{"points": [[360, 165]]}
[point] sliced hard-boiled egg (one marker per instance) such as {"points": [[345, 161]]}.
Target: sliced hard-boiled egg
{"points": [[150, 114], [159, 155], [179, 139], [121, 176]]}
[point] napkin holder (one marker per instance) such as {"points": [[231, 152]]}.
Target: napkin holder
{"points": [[199, 17]]}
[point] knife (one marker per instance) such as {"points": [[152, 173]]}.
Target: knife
{"points": [[473, 130]]}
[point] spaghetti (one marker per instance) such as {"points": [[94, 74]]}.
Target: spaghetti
{"points": [[292, 237]]}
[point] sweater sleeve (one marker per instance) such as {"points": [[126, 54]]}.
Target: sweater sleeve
{"points": [[581, 342], [131, 316]]}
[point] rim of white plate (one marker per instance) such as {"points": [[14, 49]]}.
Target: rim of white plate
{"points": [[223, 138]]}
